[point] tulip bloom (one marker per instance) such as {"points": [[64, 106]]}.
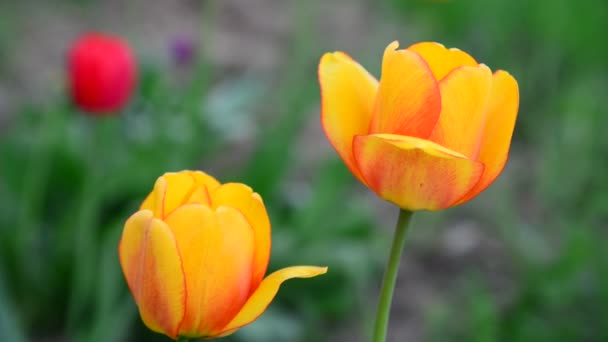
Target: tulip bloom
{"points": [[195, 255], [434, 131], [101, 72]]}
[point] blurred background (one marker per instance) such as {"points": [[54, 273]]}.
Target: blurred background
{"points": [[230, 87]]}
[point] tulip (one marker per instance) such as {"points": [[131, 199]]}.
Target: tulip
{"points": [[195, 255], [101, 72], [434, 132]]}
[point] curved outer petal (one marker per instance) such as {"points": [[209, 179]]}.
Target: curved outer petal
{"points": [[154, 200], [217, 253], [242, 197], [152, 266], [414, 173], [464, 99], [261, 298], [408, 100], [347, 99], [176, 188], [502, 113], [442, 60]]}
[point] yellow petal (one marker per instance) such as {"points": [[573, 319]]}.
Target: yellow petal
{"points": [[347, 98], [154, 199], [464, 98], [151, 264], [250, 204], [201, 195], [201, 178], [261, 298], [217, 253], [502, 113], [176, 188], [442, 60], [204, 185], [413, 173], [408, 101]]}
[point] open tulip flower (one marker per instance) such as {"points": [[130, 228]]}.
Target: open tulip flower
{"points": [[195, 255], [434, 131]]}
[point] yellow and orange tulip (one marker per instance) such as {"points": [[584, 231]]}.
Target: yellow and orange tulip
{"points": [[434, 132], [195, 255]]}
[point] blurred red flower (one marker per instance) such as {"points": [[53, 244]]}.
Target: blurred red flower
{"points": [[102, 73]]}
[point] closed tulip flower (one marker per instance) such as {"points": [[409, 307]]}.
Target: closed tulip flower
{"points": [[195, 255], [434, 132], [102, 73]]}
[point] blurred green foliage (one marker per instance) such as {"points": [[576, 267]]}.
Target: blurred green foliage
{"points": [[68, 181], [70, 184]]}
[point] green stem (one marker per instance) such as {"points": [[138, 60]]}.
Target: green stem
{"points": [[36, 183], [390, 277], [98, 133], [182, 339]]}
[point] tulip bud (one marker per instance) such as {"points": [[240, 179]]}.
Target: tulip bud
{"points": [[183, 50], [195, 256], [102, 73]]}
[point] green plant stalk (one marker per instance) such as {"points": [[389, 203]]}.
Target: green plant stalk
{"points": [[182, 339], [33, 194], [84, 247], [390, 277]]}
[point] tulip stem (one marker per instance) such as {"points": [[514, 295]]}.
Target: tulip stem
{"points": [[390, 277], [182, 339]]}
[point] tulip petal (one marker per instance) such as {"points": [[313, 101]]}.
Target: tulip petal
{"points": [[182, 186], [261, 298], [242, 197], [204, 184], [201, 178], [347, 99], [464, 98], [175, 187], [502, 113], [408, 100], [217, 253], [201, 195], [154, 200], [152, 266], [413, 173], [442, 60]]}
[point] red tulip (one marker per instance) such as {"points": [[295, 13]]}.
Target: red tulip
{"points": [[102, 73]]}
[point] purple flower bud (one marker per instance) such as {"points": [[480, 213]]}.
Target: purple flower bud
{"points": [[183, 50]]}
